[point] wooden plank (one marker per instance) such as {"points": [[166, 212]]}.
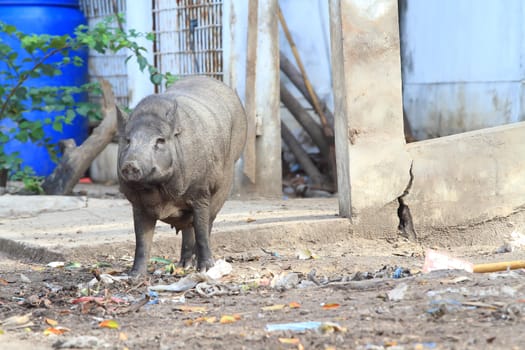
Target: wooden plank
{"points": [[249, 157], [340, 116], [268, 144]]}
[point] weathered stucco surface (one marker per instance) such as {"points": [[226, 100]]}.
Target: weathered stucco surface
{"points": [[368, 108], [468, 178]]}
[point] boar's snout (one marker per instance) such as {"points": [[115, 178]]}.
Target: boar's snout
{"points": [[131, 171]]}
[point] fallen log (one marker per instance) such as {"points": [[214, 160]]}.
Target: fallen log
{"points": [[76, 160], [296, 78], [307, 122], [301, 81], [302, 157]]}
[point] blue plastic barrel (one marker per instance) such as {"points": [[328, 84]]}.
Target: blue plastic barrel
{"points": [[54, 17]]}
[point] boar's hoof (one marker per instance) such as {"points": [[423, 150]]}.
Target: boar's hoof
{"points": [[137, 273], [138, 269], [187, 262], [204, 265]]}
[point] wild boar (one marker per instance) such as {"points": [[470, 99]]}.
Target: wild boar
{"points": [[176, 159]]}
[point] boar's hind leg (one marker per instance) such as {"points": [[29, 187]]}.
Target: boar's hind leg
{"points": [[144, 228], [201, 223], [188, 247]]}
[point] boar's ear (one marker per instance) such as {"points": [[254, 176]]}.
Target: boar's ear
{"points": [[173, 119], [122, 120]]}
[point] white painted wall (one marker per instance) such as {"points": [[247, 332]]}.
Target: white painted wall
{"points": [[308, 22], [462, 64], [108, 66], [139, 84]]}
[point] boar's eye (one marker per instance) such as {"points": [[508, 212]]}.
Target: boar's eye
{"points": [[128, 141], [160, 141]]}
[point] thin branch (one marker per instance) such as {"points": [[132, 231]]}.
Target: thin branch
{"points": [[26, 76]]}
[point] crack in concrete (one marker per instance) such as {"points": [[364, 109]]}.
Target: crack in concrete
{"points": [[406, 224]]}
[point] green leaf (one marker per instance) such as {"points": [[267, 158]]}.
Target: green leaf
{"points": [[3, 138], [21, 92], [25, 124], [160, 260], [142, 61], [67, 100], [70, 115], [8, 29], [156, 79], [58, 42], [48, 70], [13, 55], [37, 132], [57, 125], [150, 36], [170, 79], [22, 136], [83, 109], [73, 265], [78, 61]]}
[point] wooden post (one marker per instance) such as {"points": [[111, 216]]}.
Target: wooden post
{"points": [[268, 144], [340, 117], [250, 155], [261, 175], [251, 57]]}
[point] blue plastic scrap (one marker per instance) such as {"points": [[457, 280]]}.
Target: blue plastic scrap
{"points": [[154, 298], [294, 327], [398, 273]]}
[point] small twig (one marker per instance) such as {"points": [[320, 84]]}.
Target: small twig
{"points": [[140, 284], [268, 252], [311, 277], [115, 12], [134, 307], [366, 284]]}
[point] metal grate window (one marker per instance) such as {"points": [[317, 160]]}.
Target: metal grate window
{"points": [[188, 37], [111, 67]]}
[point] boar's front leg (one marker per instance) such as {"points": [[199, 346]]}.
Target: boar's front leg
{"points": [[201, 224], [187, 248], [144, 229]]}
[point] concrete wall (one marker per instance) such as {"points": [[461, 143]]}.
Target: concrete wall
{"points": [[455, 181], [467, 178]]}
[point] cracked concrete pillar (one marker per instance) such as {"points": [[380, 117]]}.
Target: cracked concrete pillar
{"points": [[373, 164]]}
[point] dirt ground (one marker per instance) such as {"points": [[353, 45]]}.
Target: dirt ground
{"points": [[353, 289], [348, 294]]}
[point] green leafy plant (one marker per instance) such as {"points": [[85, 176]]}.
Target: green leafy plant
{"points": [[46, 56], [32, 183]]}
